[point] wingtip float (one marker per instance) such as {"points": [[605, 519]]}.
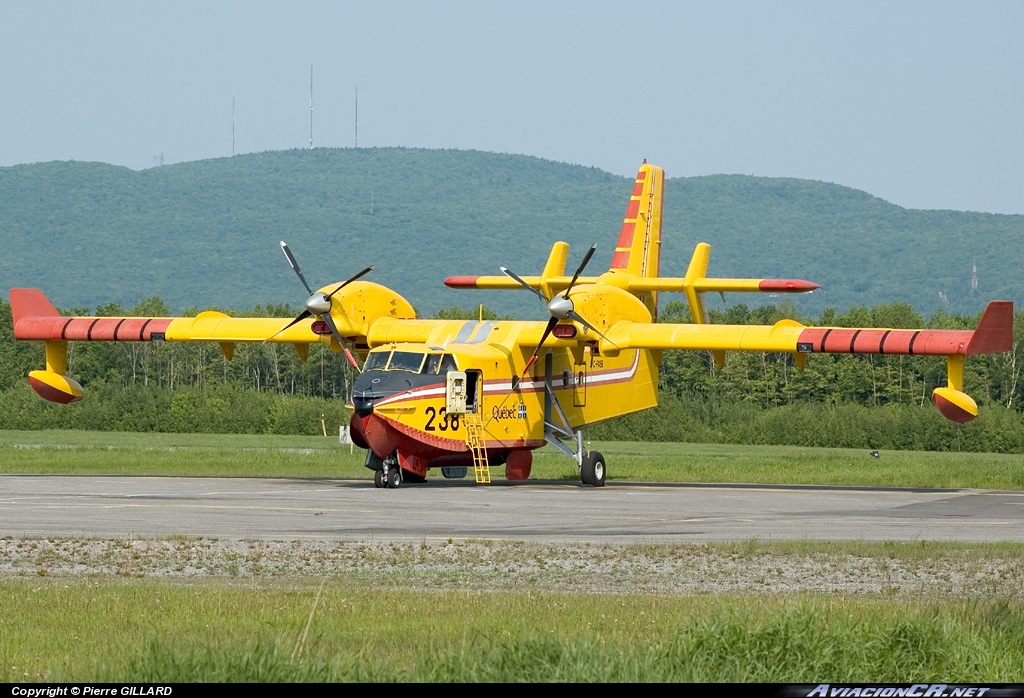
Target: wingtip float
{"points": [[456, 394]]}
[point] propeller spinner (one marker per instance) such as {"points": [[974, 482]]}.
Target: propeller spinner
{"points": [[319, 304]]}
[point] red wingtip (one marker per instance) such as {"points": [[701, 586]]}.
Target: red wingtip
{"points": [[461, 281], [32, 313], [787, 285], [994, 333], [30, 302]]}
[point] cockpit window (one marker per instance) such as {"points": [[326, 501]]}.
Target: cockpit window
{"points": [[377, 360], [433, 364], [406, 361], [448, 364]]}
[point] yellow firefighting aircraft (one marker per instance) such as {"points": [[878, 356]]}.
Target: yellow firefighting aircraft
{"points": [[454, 394]]}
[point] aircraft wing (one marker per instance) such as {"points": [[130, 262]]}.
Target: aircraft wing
{"points": [[35, 318], [993, 334]]}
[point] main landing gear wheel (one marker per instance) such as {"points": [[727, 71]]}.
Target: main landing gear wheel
{"points": [[592, 469], [395, 478], [378, 479]]}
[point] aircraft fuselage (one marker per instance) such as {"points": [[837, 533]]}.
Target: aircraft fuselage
{"points": [[401, 398]]}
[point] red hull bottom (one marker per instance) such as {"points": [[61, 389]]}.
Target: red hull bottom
{"points": [[416, 455]]}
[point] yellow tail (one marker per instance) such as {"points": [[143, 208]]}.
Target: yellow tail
{"points": [[638, 251]]}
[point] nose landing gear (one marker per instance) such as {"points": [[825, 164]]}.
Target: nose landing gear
{"points": [[394, 478], [389, 475]]}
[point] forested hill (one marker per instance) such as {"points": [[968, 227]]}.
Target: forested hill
{"points": [[206, 233]]}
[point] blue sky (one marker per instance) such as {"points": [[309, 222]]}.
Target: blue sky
{"points": [[920, 103]]}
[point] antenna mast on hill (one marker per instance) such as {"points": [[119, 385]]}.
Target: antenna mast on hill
{"points": [[232, 126], [310, 106], [357, 116], [974, 277]]}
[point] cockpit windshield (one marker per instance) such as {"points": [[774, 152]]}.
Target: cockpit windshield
{"points": [[406, 361], [377, 360], [411, 361]]}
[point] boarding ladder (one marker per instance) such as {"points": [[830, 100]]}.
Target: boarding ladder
{"points": [[475, 441]]}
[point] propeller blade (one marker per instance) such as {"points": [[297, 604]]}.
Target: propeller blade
{"points": [[583, 264], [295, 265], [573, 315], [352, 360], [302, 316], [364, 272], [522, 283], [536, 352], [337, 335]]}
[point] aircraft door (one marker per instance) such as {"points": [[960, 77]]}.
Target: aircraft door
{"points": [[579, 385], [474, 391], [455, 392]]}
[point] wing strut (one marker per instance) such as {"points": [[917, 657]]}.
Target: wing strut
{"points": [[553, 431]]}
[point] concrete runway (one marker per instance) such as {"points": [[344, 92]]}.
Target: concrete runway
{"points": [[281, 509]]}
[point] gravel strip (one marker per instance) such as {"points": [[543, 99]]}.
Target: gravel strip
{"points": [[489, 565]]}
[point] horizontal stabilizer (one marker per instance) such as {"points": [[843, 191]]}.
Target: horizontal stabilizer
{"points": [[556, 283], [724, 285]]}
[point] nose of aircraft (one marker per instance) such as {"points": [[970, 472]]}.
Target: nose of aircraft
{"points": [[363, 405], [367, 390], [373, 386]]}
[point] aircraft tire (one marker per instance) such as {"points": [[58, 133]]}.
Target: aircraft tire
{"points": [[378, 479], [395, 478], [592, 471]]}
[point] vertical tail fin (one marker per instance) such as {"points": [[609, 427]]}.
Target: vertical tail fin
{"points": [[638, 251]]}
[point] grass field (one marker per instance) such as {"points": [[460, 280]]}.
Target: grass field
{"points": [[85, 630], [118, 453]]}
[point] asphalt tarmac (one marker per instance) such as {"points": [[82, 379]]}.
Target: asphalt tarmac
{"points": [[619, 513]]}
